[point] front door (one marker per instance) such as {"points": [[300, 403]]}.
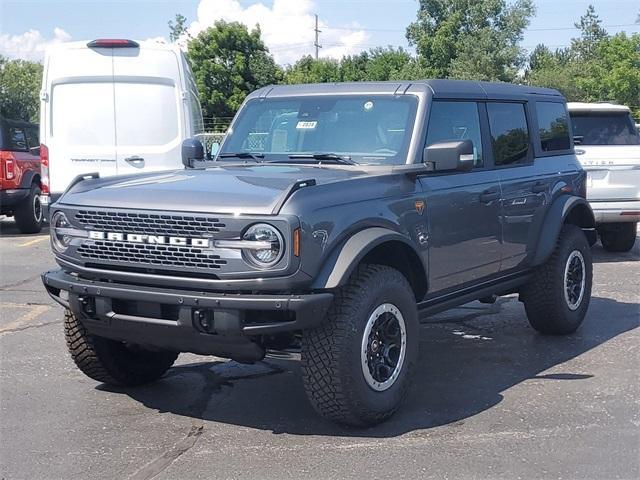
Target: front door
{"points": [[463, 208]]}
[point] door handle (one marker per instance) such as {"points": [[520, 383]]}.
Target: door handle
{"points": [[539, 187], [489, 195], [135, 160]]}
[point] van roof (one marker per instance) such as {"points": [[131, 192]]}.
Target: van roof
{"points": [[596, 107], [438, 88]]}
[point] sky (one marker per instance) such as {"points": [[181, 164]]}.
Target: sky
{"points": [[348, 26]]}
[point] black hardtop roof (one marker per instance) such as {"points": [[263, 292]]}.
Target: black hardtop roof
{"points": [[16, 123], [438, 88]]}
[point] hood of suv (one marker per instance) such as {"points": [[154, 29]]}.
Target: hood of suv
{"points": [[242, 189]]}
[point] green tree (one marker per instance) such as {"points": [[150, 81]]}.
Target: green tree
{"points": [[20, 82], [177, 27], [310, 70], [229, 62], [471, 38], [591, 33]]}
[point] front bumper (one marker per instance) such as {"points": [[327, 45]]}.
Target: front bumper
{"points": [[616, 211], [221, 324]]}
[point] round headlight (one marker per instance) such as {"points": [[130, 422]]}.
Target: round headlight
{"points": [[273, 245], [59, 239]]}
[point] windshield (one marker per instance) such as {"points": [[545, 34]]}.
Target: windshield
{"points": [[607, 128], [366, 129]]}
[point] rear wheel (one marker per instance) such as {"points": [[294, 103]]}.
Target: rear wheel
{"points": [[28, 214], [557, 297], [357, 366], [112, 362], [619, 237]]}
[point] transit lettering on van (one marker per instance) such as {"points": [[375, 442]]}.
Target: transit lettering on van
{"points": [[114, 107]]}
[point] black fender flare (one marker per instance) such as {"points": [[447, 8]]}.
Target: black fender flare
{"points": [[28, 177], [345, 258], [565, 209]]}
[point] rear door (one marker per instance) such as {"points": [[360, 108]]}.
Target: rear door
{"points": [[524, 190], [149, 111], [78, 122], [463, 208]]}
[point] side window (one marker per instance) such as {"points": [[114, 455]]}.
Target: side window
{"points": [[456, 121], [553, 126], [33, 141], [17, 140], [509, 133]]}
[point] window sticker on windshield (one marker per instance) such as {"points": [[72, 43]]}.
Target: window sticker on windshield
{"points": [[368, 105], [302, 125]]}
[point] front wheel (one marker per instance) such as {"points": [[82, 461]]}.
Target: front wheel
{"points": [[357, 366], [112, 362], [557, 297]]}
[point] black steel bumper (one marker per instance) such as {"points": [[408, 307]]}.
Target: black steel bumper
{"points": [[225, 325]]}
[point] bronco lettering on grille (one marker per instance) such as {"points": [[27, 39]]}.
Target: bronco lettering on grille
{"points": [[150, 239]]}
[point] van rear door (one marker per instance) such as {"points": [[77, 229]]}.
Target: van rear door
{"points": [[149, 112], [79, 116]]}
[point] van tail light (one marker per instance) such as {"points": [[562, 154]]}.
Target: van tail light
{"points": [[112, 43], [44, 169]]}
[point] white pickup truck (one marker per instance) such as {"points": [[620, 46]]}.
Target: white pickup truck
{"points": [[608, 147]]}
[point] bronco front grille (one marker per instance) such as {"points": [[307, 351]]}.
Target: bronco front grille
{"points": [[149, 223], [163, 256]]}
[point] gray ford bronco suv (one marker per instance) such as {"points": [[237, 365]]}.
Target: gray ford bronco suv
{"points": [[337, 216]]}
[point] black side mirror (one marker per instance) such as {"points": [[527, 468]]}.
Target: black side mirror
{"points": [[192, 151], [453, 155]]}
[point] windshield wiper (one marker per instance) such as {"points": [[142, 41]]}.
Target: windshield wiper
{"points": [[244, 155], [324, 157]]}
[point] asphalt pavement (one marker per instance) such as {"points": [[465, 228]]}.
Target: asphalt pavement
{"points": [[491, 399]]}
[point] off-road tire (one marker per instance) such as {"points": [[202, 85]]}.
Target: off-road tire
{"points": [[544, 299], [332, 369], [29, 214], [112, 362], [620, 238]]}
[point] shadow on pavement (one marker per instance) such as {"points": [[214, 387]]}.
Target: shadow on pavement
{"points": [[465, 366], [600, 255], [8, 229]]}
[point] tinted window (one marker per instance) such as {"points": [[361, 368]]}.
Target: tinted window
{"points": [[371, 129], [456, 121], [553, 126], [509, 133], [17, 139], [607, 128], [33, 140]]}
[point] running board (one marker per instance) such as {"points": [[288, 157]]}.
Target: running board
{"points": [[498, 286]]}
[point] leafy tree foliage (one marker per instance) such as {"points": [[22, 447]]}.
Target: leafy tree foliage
{"points": [[473, 39], [228, 63], [177, 27], [20, 82]]}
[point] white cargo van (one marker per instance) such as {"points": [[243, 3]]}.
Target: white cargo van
{"points": [[115, 107]]}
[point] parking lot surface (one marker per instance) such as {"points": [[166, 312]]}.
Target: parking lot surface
{"points": [[491, 399]]}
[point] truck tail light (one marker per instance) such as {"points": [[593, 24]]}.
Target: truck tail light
{"points": [[44, 169], [9, 168]]}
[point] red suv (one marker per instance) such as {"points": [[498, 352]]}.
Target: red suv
{"points": [[20, 174]]}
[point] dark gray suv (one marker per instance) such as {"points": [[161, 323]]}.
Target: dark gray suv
{"points": [[336, 217]]}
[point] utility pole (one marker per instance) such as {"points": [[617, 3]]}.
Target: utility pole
{"points": [[316, 43]]}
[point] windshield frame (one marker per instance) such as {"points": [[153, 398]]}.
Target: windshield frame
{"points": [[403, 156]]}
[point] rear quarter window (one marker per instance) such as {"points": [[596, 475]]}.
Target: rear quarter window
{"points": [[553, 125]]}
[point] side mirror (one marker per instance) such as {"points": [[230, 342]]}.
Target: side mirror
{"points": [[192, 151], [445, 156]]}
